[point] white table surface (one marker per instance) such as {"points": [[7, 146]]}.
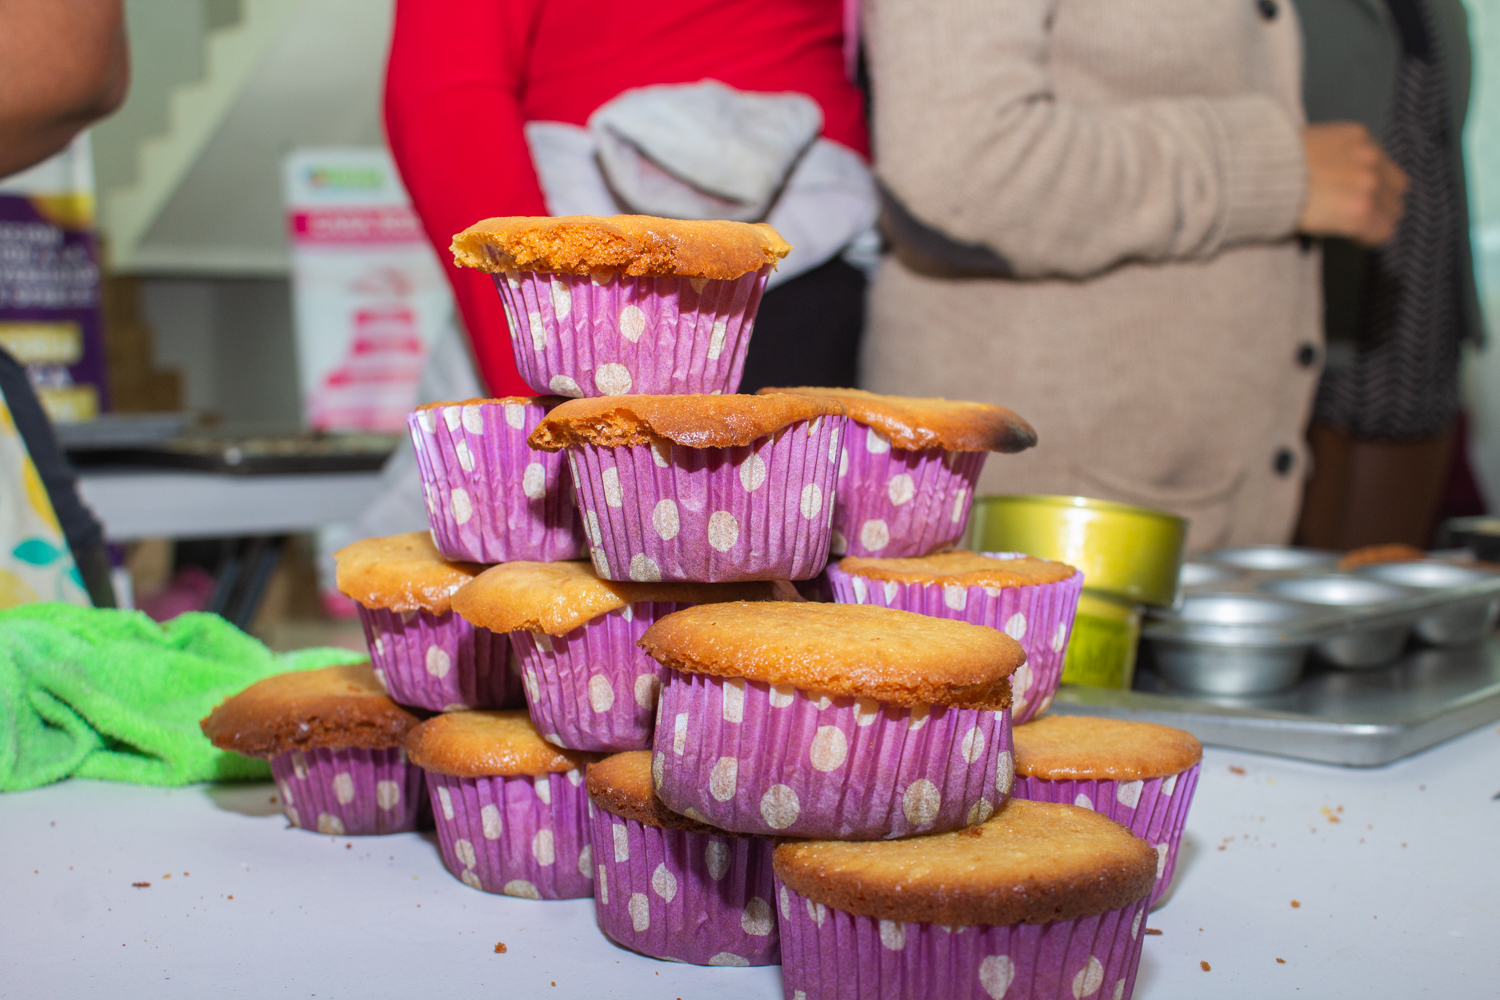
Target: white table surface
{"points": [[162, 503], [1399, 898]]}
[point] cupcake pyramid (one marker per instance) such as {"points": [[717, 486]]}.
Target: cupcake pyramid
{"points": [[616, 556]]}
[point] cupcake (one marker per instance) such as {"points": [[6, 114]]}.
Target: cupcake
{"points": [[1040, 902], [1030, 600], [334, 739], [510, 807], [670, 887], [627, 303], [424, 654], [490, 497], [705, 488], [589, 686], [1137, 773], [831, 720], [908, 470]]}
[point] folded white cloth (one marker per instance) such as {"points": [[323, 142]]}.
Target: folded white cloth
{"points": [[707, 151]]}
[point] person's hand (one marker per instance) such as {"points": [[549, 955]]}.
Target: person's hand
{"points": [[1353, 188]]}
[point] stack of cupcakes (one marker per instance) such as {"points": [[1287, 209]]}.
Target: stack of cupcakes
{"points": [[736, 777]]}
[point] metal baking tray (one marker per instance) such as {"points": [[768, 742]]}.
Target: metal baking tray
{"points": [[1355, 718], [1249, 618], [250, 455]]}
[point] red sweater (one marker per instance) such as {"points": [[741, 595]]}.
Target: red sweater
{"points": [[464, 75]]}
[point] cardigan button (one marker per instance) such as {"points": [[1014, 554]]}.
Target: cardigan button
{"points": [[1268, 9], [1284, 461], [1307, 355]]}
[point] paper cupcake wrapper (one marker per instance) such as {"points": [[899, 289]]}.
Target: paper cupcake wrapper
{"points": [[439, 662], [763, 759], [490, 497], [828, 954], [349, 792], [668, 512], [689, 897], [1154, 810], [895, 503], [520, 836], [594, 688], [1039, 617], [610, 334]]}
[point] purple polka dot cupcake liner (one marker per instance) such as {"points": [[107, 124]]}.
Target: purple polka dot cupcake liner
{"points": [[829, 954], [610, 334], [699, 898], [491, 497], [711, 515], [895, 503], [1039, 617], [594, 688], [348, 791], [521, 836], [769, 759], [1154, 810], [439, 662]]}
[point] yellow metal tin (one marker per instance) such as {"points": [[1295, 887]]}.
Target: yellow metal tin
{"points": [[1129, 552], [1106, 633]]}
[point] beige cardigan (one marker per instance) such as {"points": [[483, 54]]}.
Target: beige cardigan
{"points": [[1092, 204]]}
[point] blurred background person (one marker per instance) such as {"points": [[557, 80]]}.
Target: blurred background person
{"points": [[740, 109], [62, 66], [1383, 425], [1094, 210]]}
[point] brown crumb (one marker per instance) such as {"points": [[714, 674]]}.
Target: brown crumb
{"points": [[1339, 809], [272, 800], [141, 885], [554, 983], [186, 874], [1281, 961], [1205, 966], [500, 948], [1333, 819], [1295, 904], [231, 897], [1153, 930], [168, 875], [1236, 769], [348, 847]]}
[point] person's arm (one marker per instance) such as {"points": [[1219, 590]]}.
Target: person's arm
{"points": [[62, 66], [972, 141], [453, 119]]}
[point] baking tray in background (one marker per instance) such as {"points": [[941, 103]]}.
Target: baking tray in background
{"points": [[247, 455], [1356, 718]]}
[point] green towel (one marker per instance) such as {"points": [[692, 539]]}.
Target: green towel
{"points": [[98, 693]]}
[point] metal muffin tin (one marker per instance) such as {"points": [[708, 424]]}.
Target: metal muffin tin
{"points": [[1249, 618]]}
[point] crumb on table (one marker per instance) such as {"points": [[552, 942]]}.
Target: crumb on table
{"points": [[1281, 961], [500, 948], [141, 885], [1295, 904], [1153, 930], [1205, 966], [1236, 769]]}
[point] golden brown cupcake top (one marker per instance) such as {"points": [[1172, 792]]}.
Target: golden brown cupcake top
{"points": [[1030, 863], [308, 709], [694, 421], [854, 650], [489, 744], [960, 568], [634, 244], [497, 401], [557, 597], [621, 785], [400, 573], [1083, 748], [919, 423]]}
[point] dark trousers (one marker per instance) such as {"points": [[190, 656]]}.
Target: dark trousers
{"points": [[807, 331]]}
